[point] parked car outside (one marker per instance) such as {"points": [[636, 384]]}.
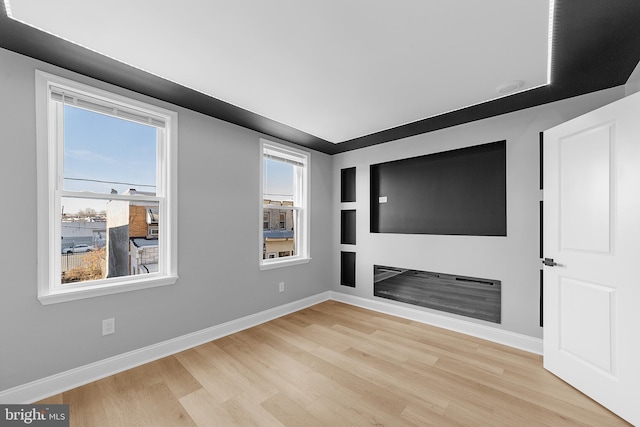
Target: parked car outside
{"points": [[77, 249]]}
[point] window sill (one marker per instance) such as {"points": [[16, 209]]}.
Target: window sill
{"points": [[72, 294], [282, 263]]}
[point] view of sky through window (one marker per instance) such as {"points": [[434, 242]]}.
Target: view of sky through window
{"points": [[277, 180], [102, 153]]}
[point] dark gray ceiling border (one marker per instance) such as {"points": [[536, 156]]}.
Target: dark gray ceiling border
{"points": [[596, 46]]}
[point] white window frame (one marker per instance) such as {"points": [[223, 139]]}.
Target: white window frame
{"points": [[300, 204], [50, 192]]}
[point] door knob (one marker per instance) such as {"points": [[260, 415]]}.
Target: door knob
{"points": [[549, 262]]}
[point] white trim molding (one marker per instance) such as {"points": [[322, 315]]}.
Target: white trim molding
{"points": [[58, 383]]}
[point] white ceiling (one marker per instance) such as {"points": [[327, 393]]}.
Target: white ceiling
{"points": [[336, 69]]}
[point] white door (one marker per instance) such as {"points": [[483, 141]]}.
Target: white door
{"points": [[592, 231]]}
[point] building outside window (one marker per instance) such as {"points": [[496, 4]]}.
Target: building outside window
{"points": [[152, 216], [108, 160], [285, 200], [266, 220]]}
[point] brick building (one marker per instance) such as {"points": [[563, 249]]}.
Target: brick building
{"points": [[132, 236]]}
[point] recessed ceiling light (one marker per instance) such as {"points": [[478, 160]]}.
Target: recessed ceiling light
{"points": [[509, 87]]}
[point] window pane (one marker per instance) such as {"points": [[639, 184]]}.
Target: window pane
{"points": [[278, 179], [279, 235], [104, 154], [103, 239]]}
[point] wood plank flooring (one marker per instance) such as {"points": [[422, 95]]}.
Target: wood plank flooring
{"points": [[337, 365]]}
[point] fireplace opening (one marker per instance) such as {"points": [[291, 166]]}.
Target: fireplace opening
{"points": [[467, 296]]}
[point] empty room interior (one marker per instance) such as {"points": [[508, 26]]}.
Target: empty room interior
{"points": [[320, 213]]}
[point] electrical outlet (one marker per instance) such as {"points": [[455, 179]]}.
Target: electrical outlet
{"points": [[108, 326], [281, 286]]}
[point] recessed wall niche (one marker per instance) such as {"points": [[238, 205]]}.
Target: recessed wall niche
{"points": [[348, 269], [348, 185], [456, 192], [348, 227]]}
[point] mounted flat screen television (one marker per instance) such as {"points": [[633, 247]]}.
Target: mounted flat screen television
{"points": [[457, 192]]}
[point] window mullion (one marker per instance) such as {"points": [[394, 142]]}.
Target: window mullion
{"points": [[282, 207], [101, 196]]}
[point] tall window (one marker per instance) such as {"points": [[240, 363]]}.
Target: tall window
{"points": [[285, 195], [106, 192]]}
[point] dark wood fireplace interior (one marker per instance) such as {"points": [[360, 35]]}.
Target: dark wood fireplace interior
{"points": [[467, 296]]}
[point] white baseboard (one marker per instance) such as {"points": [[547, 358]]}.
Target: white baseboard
{"points": [[58, 383], [511, 339]]}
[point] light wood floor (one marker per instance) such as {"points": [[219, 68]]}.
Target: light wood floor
{"points": [[337, 365]]}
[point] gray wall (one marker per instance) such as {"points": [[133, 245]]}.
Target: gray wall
{"points": [[512, 259], [218, 243]]}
